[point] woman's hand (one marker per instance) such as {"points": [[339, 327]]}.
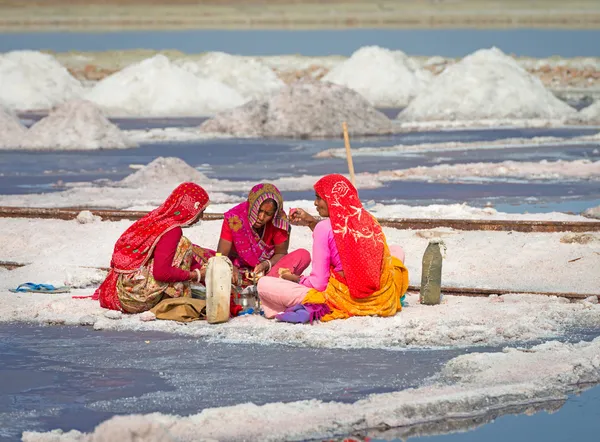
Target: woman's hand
{"points": [[196, 275], [235, 276], [290, 277], [302, 218], [262, 267]]}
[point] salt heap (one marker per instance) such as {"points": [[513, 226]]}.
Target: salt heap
{"points": [[385, 78], [32, 80], [248, 76], [303, 110], [11, 130], [164, 172], [157, 87], [485, 85], [592, 212], [591, 113], [76, 125]]}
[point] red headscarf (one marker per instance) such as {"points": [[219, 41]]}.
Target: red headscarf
{"points": [[134, 247], [358, 235]]}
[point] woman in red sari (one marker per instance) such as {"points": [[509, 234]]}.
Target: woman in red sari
{"points": [[152, 259]]}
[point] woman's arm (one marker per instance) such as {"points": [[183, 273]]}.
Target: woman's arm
{"points": [[321, 259], [164, 253]]}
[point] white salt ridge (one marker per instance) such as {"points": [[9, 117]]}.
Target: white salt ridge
{"points": [[11, 130], [506, 143], [178, 134], [75, 125], [248, 76], [157, 87], [560, 170], [470, 385], [485, 85], [386, 78], [32, 80], [592, 212], [305, 109]]}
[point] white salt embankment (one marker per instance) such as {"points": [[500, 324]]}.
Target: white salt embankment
{"points": [[11, 130]]}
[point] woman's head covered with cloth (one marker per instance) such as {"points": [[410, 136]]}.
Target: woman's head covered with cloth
{"points": [[358, 236], [135, 246]]}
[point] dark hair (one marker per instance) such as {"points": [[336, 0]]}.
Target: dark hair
{"points": [[270, 200]]}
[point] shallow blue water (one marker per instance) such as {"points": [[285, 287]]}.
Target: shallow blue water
{"points": [[444, 42], [269, 159]]}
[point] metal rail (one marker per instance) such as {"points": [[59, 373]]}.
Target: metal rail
{"points": [[397, 223]]}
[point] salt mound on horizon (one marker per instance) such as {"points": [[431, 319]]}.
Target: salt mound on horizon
{"points": [[485, 85], [592, 112], [248, 76], [75, 125], [164, 171], [157, 87], [11, 130], [303, 110], [386, 78], [32, 80]]}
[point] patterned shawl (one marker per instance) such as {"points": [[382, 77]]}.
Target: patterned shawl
{"points": [[134, 247], [358, 235], [249, 246]]}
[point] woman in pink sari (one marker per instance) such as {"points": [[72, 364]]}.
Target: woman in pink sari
{"points": [[153, 259], [255, 235]]}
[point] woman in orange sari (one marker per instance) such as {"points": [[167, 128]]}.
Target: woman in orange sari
{"points": [[363, 277], [152, 259]]}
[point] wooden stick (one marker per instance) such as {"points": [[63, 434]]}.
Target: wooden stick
{"points": [[348, 153]]}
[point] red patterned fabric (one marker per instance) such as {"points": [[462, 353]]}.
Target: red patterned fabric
{"points": [[135, 247], [358, 235]]}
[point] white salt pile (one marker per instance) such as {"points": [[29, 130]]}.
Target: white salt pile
{"points": [[303, 110], [32, 80], [592, 212], [157, 87], [591, 113], [248, 76], [164, 172], [11, 130], [485, 85], [385, 78], [75, 125]]}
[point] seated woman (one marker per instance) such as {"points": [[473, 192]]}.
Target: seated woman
{"points": [[153, 259], [353, 272], [255, 235]]}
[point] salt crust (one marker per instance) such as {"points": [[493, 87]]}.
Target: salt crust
{"points": [[468, 386]]}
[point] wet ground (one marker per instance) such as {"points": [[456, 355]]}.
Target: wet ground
{"points": [[75, 377], [260, 159]]}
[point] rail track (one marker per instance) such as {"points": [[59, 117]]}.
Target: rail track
{"points": [[397, 223]]}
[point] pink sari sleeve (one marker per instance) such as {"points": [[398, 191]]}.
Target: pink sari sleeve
{"points": [[321, 258]]}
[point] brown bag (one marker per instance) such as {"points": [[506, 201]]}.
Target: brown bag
{"points": [[180, 309]]}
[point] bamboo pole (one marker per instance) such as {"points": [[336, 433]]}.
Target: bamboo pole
{"points": [[348, 153]]}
